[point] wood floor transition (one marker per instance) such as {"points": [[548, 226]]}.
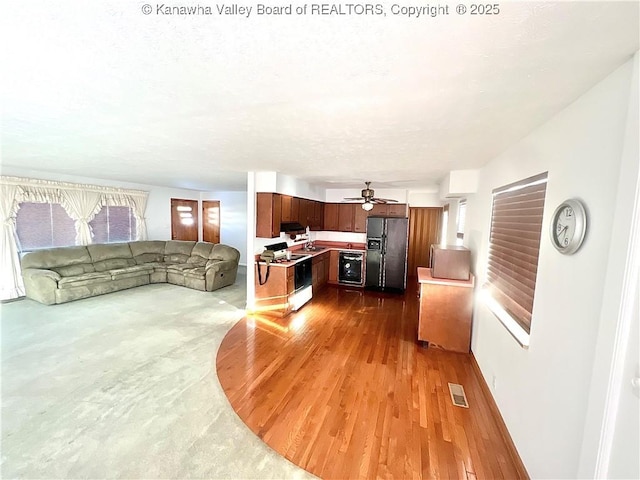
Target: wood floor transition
{"points": [[343, 389]]}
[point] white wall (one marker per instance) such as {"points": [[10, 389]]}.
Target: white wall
{"points": [[418, 198], [233, 219], [543, 392], [158, 213]]}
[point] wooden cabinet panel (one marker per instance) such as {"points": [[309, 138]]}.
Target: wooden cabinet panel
{"points": [[286, 208], [445, 315], [360, 219], [331, 216], [305, 208], [320, 268], [379, 210], [295, 209], [397, 209], [318, 216], [334, 258], [268, 214], [346, 213]]}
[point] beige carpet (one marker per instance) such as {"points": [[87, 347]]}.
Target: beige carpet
{"points": [[124, 386]]}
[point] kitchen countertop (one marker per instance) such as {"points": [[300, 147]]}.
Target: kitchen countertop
{"points": [[321, 248], [424, 276]]}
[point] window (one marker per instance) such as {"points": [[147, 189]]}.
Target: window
{"points": [[113, 224], [516, 225], [462, 215], [43, 225], [445, 224]]}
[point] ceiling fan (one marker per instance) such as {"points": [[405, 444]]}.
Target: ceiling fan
{"points": [[368, 198]]}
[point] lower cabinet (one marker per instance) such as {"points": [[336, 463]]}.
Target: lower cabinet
{"points": [[445, 311], [320, 268]]}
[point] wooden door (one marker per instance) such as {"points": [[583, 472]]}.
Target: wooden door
{"points": [[211, 221], [424, 230], [184, 219]]}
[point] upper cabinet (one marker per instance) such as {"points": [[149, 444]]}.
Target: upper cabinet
{"points": [[286, 208], [331, 216], [274, 208], [268, 214], [346, 216]]}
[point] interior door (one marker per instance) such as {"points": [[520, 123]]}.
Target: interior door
{"points": [[425, 225], [211, 221], [184, 219]]}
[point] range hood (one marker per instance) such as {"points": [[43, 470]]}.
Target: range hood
{"points": [[289, 227]]}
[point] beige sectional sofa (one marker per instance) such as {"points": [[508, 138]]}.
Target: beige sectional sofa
{"points": [[59, 275]]}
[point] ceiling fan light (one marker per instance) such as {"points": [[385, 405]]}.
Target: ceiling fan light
{"points": [[366, 206]]}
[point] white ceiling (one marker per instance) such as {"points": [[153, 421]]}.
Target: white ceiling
{"points": [[97, 88]]}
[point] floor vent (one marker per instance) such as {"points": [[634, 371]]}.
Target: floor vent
{"points": [[458, 397]]}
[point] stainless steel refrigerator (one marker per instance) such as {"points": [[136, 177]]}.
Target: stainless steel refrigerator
{"points": [[387, 239]]}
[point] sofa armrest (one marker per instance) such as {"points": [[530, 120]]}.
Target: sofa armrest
{"points": [[32, 273], [41, 284], [220, 265]]}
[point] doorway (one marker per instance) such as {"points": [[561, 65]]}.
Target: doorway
{"points": [[184, 219], [211, 221], [425, 226]]}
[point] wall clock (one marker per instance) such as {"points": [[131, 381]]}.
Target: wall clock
{"points": [[568, 226]]}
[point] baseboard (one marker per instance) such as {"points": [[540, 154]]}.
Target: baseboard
{"points": [[502, 427]]}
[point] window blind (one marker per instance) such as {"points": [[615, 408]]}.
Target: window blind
{"points": [[516, 226], [43, 225], [113, 224]]}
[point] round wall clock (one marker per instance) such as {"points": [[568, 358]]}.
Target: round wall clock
{"points": [[568, 226]]}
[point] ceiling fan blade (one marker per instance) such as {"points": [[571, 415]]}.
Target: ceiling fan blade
{"points": [[384, 200], [353, 198]]}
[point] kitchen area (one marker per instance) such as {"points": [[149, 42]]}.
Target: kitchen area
{"points": [[362, 249]]}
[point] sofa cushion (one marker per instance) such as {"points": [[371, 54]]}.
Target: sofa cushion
{"points": [[129, 272], [178, 251], [113, 263], [56, 257], [200, 254], [224, 252], [72, 270], [198, 272], [84, 279], [179, 267], [147, 251]]}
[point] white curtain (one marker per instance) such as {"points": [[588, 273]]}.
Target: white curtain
{"points": [[82, 206], [11, 285], [139, 207]]}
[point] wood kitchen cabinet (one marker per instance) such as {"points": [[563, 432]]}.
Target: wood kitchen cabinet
{"points": [[295, 209], [273, 296], [268, 214], [360, 219], [320, 270], [397, 209], [334, 259], [331, 216], [346, 215], [445, 311], [286, 208], [318, 216]]}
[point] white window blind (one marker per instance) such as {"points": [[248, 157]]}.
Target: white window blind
{"points": [[113, 224], [43, 225], [516, 226], [462, 216]]}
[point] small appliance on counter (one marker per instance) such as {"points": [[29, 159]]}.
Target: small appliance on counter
{"points": [[450, 261]]}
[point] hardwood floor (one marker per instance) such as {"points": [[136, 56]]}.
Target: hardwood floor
{"points": [[343, 390]]}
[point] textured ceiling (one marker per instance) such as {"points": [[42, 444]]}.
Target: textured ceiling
{"points": [[101, 90]]}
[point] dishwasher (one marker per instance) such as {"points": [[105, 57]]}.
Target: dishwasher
{"points": [[350, 268]]}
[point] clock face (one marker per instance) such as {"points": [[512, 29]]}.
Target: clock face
{"points": [[568, 226]]}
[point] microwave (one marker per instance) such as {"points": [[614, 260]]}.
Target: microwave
{"points": [[450, 261]]}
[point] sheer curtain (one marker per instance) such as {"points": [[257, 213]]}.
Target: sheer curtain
{"points": [[11, 285]]}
